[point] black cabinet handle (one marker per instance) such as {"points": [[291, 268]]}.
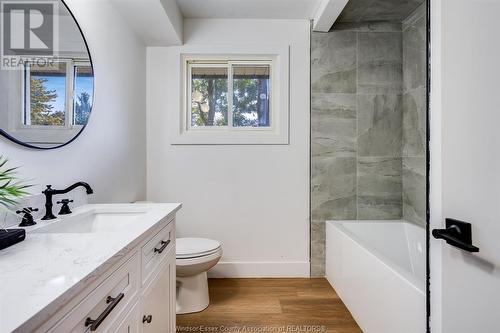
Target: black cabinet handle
{"points": [[164, 244], [458, 234], [113, 302], [147, 319]]}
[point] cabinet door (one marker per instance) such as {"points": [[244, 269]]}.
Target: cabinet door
{"points": [[158, 300], [131, 322]]}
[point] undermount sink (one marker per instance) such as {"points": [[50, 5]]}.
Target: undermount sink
{"points": [[92, 221]]}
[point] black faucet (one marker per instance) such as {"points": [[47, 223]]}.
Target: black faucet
{"points": [[28, 217], [50, 192]]}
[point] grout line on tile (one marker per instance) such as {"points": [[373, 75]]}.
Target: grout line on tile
{"points": [[357, 123]]}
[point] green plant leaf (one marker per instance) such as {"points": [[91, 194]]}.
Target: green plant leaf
{"points": [[11, 188]]}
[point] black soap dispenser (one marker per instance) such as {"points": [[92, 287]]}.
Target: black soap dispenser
{"points": [[9, 237]]}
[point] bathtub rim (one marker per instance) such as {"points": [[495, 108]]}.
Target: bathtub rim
{"points": [[417, 284]]}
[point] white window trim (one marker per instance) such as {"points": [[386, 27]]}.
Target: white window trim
{"points": [[276, 134]]}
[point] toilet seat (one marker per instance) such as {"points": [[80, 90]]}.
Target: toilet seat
{"points": [[189, 248], [197, 262]]}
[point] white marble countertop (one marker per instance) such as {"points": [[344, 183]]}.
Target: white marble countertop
{"points": [[40, 274]]}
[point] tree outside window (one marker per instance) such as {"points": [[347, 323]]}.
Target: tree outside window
{"points": [[249, 89]]}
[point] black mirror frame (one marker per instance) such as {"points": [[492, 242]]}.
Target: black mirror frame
{"points": [[11, 138]]}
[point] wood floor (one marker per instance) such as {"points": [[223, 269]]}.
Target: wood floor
{"points": [[270, 305]]}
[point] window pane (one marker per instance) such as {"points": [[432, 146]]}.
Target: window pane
{"points": [[208, 96], [251, 96], [47, 95], [84, 90]]}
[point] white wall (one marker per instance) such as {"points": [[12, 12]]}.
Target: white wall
{"points": [[465, 183], [70, 39], [110, 154], [254, 199]]}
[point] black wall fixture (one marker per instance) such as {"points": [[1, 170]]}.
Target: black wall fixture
{"points": [[458, 234]]}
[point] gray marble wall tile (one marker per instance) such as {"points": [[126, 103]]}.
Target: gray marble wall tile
{"points": [[377, 10], [354, 10], [333, 62], [379, 188], [333, 125], [318, 248], [333, 188], [414, 117], [380, 63], [361, 126], [414, 122], [416, 15], [414, 54], [390, 9], [373, 26], [414, 190], [379, 125]]}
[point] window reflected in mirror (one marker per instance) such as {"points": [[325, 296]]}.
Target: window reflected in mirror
{"points": [[82, 93], [50, 87], [45, 95]]}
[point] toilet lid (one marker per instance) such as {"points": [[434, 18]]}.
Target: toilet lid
{"points": [[195, 247]]}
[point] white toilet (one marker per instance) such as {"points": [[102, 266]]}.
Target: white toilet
{"points": [[194, 257]]}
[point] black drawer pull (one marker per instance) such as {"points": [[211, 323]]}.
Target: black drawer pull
{"points": [[163, 246], [147, 319], [113, 302]]}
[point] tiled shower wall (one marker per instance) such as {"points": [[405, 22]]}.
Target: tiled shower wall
{"points": [[366, 132], [414, 117]]}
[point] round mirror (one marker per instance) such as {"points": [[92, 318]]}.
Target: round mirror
{"points": [[46, 74]]}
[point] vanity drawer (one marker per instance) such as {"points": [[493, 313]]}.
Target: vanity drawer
{"points": [[104, 304], [156, 249]]}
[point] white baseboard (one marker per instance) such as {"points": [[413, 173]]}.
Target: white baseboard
{"points": [[261, 269]]}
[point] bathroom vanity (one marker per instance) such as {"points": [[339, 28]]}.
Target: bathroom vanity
{"points": [[104, 268]]}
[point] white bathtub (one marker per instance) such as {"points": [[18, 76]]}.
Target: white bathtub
{"points": [[378, 269]]}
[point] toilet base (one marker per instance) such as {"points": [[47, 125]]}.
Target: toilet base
{"points": [[192, 293]]}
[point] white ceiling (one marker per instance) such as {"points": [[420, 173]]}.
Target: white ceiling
{"points": [[263, 9], [160, 22]]}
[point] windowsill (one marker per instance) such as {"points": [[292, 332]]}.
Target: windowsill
{"points": [[238, 137]]}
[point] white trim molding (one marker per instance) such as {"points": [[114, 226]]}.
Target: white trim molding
{"points": [[242, 269], [154, 22], [436, 168], [327, 13]]}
